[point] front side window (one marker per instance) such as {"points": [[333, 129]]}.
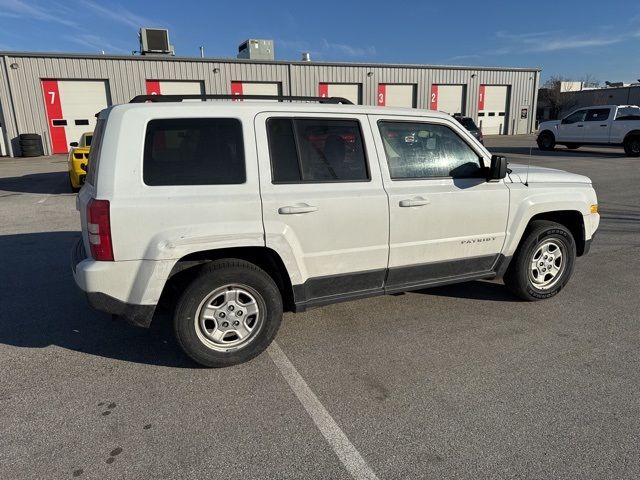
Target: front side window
{"points": [[194, 151], [424, 150], [575, 117], [316, 150], [597, 115]]}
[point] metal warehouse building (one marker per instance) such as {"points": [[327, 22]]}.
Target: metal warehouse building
{"points": [[57, 95]]}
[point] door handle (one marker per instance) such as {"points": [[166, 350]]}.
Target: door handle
{"points": [[300, 208], [605, 125], [414, 202], [580, 126]]}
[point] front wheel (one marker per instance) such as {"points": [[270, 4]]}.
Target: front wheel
{"points": [[546, 141], [632, 146], [229, 314], [543, 262]]}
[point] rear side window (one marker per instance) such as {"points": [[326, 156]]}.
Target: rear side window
{"points": [[194, 151], [628, 113], [316, 150]]}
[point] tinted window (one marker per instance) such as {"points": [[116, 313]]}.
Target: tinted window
{"points": [[422, 150], [194, 151], [316, 150], [575, 117], [628, 113], [597, 115], [87, 140]]}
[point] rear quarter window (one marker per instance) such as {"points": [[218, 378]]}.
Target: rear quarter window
{"points": [[194, 151]]}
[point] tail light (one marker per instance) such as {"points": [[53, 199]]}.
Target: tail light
{"points": [[99, 226]]}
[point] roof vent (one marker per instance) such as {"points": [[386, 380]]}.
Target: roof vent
{"points": [[306, 57]]}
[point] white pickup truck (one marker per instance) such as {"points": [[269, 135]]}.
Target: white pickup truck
{"points": [[611, 125]]}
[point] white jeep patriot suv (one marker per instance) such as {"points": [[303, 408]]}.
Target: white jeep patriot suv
{"points": [[238, 210]]}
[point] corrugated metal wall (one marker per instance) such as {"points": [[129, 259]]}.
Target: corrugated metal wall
{"points": [[22, 103]]}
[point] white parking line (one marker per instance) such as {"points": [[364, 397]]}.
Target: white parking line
{"points": [[343, 448]]}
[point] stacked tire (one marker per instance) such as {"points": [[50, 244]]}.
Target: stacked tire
{"points": [[31, 145]]}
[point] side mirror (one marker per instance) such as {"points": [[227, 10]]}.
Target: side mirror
{"points": [[73, 144], [498, 168]]}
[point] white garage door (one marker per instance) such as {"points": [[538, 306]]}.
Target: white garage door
{"points": [[492, 109], [350, 91], [71, 107], [391, 95], [448, 98], [255, 88], [171, 87]]}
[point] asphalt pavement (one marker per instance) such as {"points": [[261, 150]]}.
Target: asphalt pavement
{"points": [[456, 382]]}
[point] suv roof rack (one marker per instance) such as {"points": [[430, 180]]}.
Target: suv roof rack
{"points": [[280, 98]]}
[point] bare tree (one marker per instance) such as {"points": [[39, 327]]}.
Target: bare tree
{"points": [[552, 97], [590, 81]]}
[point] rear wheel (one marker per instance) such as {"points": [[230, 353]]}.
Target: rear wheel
{"points": [[546, 141], [543, 263], [632, 146], [229, 314]]}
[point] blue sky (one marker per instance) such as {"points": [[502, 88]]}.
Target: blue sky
{"points": [[567, 38]]}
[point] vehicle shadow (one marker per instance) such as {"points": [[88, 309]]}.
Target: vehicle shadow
{"points": [[41, 306], [478, 290], [559, 152], [51, 183]]}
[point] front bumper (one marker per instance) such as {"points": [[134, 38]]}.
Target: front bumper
{"points": [[90, 275]]}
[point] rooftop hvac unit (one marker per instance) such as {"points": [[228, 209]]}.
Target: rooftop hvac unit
{"points": [[256, 50], [155, 41]]}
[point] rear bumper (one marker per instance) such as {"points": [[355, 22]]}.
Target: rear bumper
{"points": [[107, 286]]}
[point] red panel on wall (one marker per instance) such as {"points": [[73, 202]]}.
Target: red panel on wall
{"points": [[382, 94], [323, 90], [236, 88], [481, 98], [153, 87], [433, 105], [53, 106]]}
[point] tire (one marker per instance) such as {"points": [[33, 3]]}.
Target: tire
{"points": [[546, 141], [632, 146], [572, 146], [520, 277], [31, 153], [29, 136], [232, 289], [30, 142]]}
